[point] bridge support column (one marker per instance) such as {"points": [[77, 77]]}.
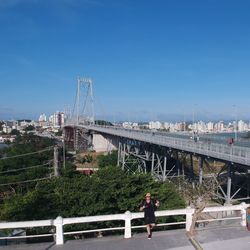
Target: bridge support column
{"points": [[183, 161], [164, 168], [192, 166], [123, 156], [178, 164], [153, 163], [119, 154], [229, 183], [75, 139], [158, 170], [201, 169]]}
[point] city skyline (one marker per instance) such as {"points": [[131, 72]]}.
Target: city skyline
{"points": [[57, 120], [161, 60]]}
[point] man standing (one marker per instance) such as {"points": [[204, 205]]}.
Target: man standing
{"points": [[149, 206]]}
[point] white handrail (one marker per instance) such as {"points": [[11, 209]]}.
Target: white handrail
{"points": [[127, 217], [87, 219], [36, 223]]}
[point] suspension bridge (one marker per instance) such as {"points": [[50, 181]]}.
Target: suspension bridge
{"points": [[163, 155]]}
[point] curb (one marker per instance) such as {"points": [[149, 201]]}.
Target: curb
{"points": [[195, 244]]}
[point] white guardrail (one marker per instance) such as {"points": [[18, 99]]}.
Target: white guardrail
{"points": [[231, 153], [238, 211]]}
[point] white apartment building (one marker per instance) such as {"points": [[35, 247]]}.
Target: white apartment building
{"points": [[42, 118], [210, 126], [242, 126], [155, 125], [57, 119]]}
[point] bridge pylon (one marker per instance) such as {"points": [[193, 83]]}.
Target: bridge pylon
{"points": [[83, 112]]}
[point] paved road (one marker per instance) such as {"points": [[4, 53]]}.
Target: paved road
{"points": [[228, 238], [175, 239]]}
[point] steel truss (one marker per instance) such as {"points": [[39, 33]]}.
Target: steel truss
{"points": [[236, 179], [165, 164], [135, 156], [77, 138]]}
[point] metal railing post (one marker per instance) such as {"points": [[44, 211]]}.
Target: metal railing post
{"points": [[58, 222], [127, 232]]}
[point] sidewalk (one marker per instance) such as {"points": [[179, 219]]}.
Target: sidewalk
{"points": [[223, 238]]}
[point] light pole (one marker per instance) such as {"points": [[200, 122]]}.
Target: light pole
{"points": [[184, 122], [235, 124], [194, 120], [63, 153]]}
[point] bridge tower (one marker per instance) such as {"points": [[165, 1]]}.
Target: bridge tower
{"points": [[84, 105], [82, 114]]}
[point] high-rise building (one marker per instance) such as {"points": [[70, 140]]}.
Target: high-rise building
{"points": [[210, 126], [219, 127], [42, 118], [57, 119], [155, 125], [242, 126]]}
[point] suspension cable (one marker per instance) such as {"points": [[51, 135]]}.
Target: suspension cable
{"points": [[19, 169], [31, 153], [27, 181]]}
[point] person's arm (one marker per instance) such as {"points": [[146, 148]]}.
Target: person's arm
{"points": [[142, 206], [157, 203]]}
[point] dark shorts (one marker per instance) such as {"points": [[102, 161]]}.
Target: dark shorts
{"points": [[149, 220]]}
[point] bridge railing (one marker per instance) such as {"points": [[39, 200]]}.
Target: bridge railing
{"points": [[238, 212], [217, 150]]}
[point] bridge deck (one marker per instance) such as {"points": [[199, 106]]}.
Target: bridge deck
{"points": [[230, 153], [230, 238]]}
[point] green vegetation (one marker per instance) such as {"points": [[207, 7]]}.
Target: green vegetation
{"points": [[29, 128], [107, 160], [86, 159], [59, 133], [102, 122], [8, 167], [108, 191], [25, 120], [15, 132], [1, 125]]}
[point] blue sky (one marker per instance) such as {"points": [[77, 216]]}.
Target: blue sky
{"points": [[149, 59]]}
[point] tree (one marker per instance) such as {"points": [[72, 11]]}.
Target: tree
{"points": [[1, 126], [85, 159], [103, 123], [15, 132], [59, 133], [197, 195], [24, 145], [107, 160], [29, 128], [108, 191]]}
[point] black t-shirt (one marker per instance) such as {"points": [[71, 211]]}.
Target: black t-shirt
{"points": [[149, 207]]}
